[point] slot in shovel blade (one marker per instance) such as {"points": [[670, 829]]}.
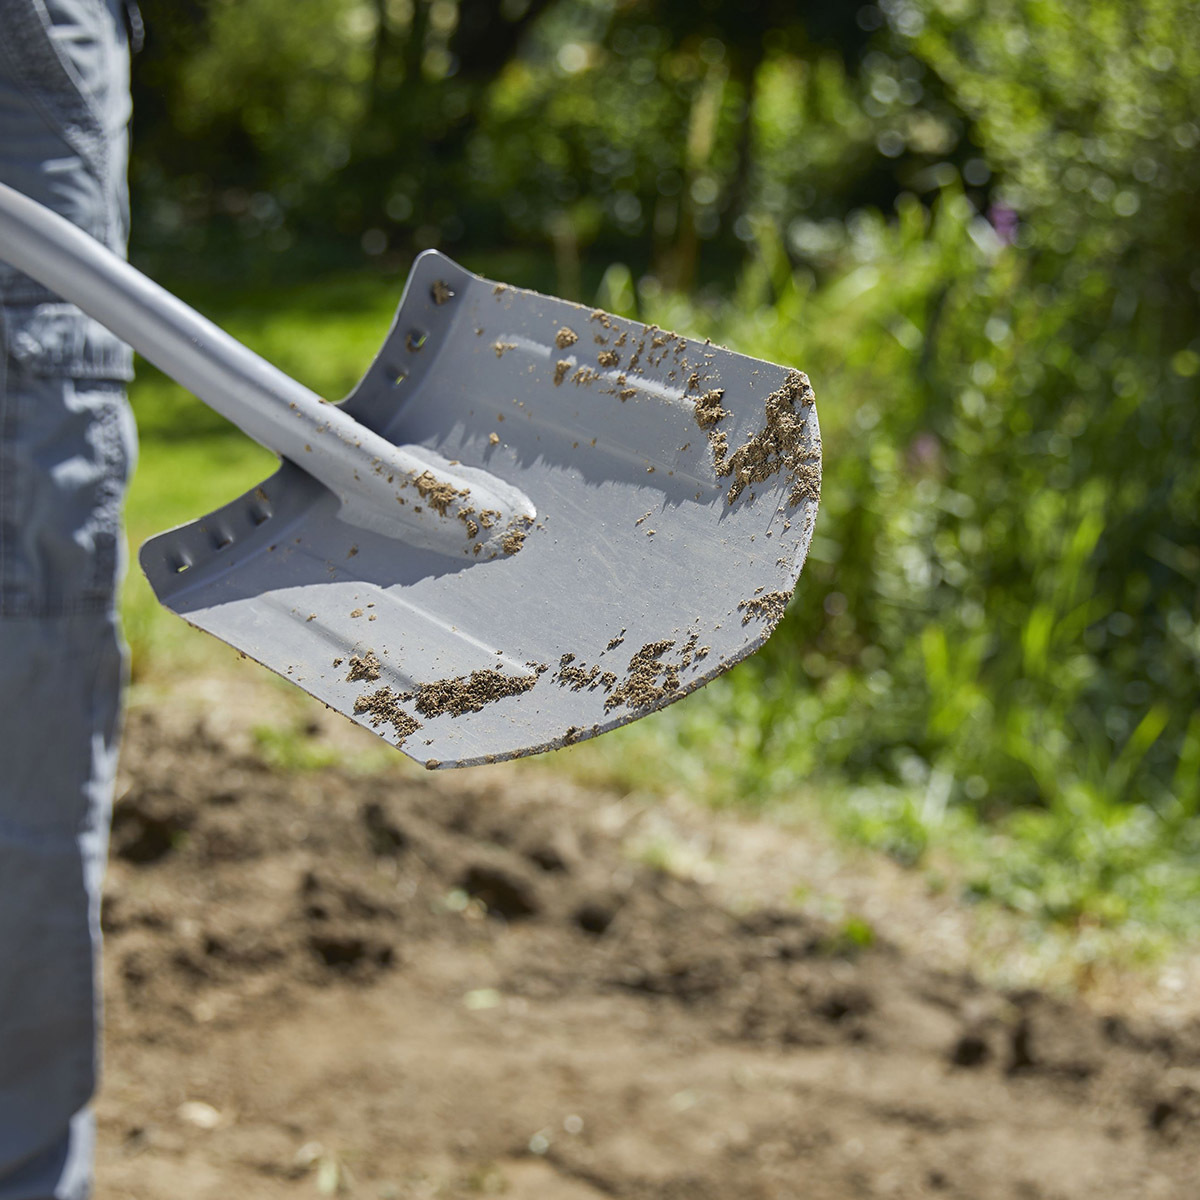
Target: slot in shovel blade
{"points": [[676, 485]]}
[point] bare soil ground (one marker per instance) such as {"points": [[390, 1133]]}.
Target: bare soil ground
{"points": [[406, 985]]}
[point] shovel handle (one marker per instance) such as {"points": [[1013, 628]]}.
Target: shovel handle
{"points": [[217, 368], [364, 470]]}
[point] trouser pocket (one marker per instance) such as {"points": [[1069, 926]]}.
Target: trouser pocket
{"points": [[67, 449]]}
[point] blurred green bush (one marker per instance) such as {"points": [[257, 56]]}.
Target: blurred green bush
{"points": [[1014, 537], [1002, 606], [973, 222]]}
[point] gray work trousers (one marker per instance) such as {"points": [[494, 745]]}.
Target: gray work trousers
{"points": [[67, 445]]}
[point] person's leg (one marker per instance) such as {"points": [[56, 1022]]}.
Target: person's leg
{"points": [[66, 450]]}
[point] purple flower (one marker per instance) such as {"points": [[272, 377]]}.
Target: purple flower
{"points": [[1004, 221]]}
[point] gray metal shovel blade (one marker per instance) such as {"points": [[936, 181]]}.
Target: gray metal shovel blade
{"points": [[675, 485]]}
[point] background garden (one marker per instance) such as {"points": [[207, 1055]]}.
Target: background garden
{"points": [[972, 222]]}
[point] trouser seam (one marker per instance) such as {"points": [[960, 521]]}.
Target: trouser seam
{"points": [[8, 438]]}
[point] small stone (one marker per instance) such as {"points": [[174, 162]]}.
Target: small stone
{"points": [[199, 1114]]}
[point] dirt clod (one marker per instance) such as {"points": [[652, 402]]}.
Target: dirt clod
{"points": [[565, 337], [343, 952], [576, 677], [514, 540], [708, 408], [608, 358], [778, 447], [594, 917], [469, 693], [971, 1050], [439, 493], [504, 891], [387, 837], [649, 680], [365, 667], [769, 608], [146, 826], [383, 707]]}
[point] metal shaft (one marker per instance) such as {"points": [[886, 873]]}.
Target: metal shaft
{"points": [[368, 473]]}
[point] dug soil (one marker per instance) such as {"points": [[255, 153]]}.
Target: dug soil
{"points": [[408, 985]]}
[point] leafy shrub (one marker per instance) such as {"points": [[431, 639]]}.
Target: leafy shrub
{"points": [[1000, 610]]}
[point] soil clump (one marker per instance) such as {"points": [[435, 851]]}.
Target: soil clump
{"points": [[648, 679], [367, 667], [769, 608], [469, 693], [778, 446], [384, 707], [439, 494]]}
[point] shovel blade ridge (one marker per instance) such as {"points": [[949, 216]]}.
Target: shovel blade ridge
{"points": [[675, 483]]}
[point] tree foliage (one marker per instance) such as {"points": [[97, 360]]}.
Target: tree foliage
{"points": [[575, 122], [973, 221]]}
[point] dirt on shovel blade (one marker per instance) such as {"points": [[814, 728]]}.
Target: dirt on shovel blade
{"points": [[419, 986]]}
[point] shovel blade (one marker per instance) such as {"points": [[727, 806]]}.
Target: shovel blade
{"points": [[676, 485]]}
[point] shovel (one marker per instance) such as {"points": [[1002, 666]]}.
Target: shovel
{"points": [[530, 522]]}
